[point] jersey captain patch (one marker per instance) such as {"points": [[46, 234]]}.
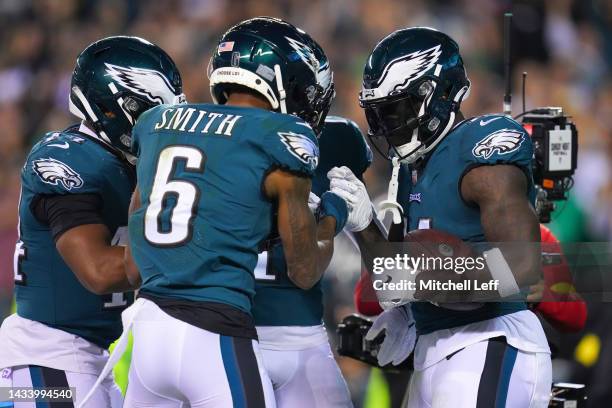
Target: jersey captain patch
{"points": [[501, 142], [301, 147], [52, 171]]}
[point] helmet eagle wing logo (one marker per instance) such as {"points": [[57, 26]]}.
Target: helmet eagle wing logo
{"points": [[503, 141], [403, 70], [149, 83], [301, 147], [55, 172]]}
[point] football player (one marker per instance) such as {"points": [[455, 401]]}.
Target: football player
{"points": [[210, 178], [76, 185], [470, 178], [293, 340]]}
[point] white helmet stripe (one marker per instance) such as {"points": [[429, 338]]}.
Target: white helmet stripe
{"points": [[74, 110], [105, 137], [79, 94], [115, 91]]}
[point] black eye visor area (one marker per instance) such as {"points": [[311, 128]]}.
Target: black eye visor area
{"points": [[399, 109], [395, 117], [387, 117]]}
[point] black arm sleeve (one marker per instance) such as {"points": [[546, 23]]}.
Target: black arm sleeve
{"points": [[62, 212]]}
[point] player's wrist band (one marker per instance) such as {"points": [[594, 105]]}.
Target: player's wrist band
{"points": [[500, 271], [334, 206]]}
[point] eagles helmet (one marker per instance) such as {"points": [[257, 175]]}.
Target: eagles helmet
{"points": [[413, 84], [118, 78], [277, 60]]}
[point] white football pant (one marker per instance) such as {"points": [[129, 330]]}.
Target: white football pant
{"points": [[175, 364]]}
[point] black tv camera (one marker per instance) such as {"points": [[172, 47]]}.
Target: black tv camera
{"points": [[352, 343], [564, 395], [555, 141]]}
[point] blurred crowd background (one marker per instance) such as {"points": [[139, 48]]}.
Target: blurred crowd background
{"points": [[564, 45]]}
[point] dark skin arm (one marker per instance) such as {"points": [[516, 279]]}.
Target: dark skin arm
{"points": [[308, 247], [371, 242], [131, 270], [506, 217], [87, 251]]}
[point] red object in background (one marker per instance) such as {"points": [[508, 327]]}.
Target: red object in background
{"points": [[568, 313], [365, 296]]}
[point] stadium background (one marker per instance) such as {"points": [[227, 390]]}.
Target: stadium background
{"points": [[565, 45]]}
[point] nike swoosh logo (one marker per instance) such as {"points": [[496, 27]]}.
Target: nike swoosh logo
{"points": [[61, 146], [486, 122]]}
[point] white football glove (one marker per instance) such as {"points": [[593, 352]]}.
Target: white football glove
{"points": [[313, 202], [400, 335], [391, 298], [343, 183]]}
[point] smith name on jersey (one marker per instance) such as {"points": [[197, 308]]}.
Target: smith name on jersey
{"points": [[341, 144], [69, 163], [204, 215], [432, 199]]}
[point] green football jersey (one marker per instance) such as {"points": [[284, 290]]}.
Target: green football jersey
{"points": [[341, 144], [201, 169], [432, 199], [65, 163]]}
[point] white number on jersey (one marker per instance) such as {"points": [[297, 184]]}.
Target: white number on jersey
{"points": [[261, 270], [20, 254], [186, 194]]}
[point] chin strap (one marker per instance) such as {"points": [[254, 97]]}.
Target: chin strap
{"points": [[391, 204], [281, 90]]}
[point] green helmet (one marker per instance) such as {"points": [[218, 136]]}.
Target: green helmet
{"points": [[118, 78], [413, 84], [276, 60]]}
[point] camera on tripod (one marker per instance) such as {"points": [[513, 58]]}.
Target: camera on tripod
{"points": [[352, 343], [555, 141]]}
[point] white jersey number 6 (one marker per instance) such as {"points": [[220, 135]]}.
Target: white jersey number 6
{"points": [[186, 196]]}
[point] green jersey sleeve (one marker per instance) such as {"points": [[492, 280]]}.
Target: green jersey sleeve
{"points": [[64, 165], [293, 146]]}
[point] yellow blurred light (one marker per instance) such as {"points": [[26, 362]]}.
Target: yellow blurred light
{"points": [[587, 350]]}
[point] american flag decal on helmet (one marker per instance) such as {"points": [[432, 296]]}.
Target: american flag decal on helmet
{"points": [[226, 46]]}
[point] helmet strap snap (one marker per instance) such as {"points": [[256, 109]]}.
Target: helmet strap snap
{"points": [[281, 90], [390, 204]]}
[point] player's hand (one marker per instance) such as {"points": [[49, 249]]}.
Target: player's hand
{"points": [[400, 335], [344, 183], [536, 292]]}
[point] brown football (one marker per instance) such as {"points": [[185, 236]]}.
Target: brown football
{"points": [[436, 243]]}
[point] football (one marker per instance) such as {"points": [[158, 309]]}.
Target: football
{"points": [[432, 244], [436, 243]]}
